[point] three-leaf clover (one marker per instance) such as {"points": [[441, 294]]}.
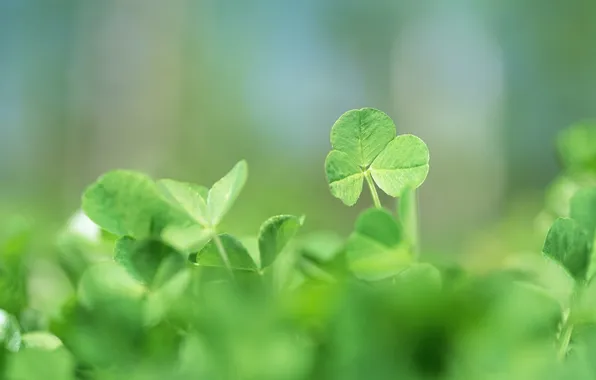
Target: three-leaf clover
{"points": [[365, 147]]}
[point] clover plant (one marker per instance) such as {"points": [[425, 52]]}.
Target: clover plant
{"points": [[160, 290]]}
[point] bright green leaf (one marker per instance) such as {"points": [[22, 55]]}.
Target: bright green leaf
{"points": [[37, 363], [238, 255], [345, 177], [376, 249], [186, 239], [567, 243], [189, 197], [421, 275], [275, 233], [42, 340], [404, 163], [10, 332], [224, 192], [362, 134], [107, 283], [127, 203]]}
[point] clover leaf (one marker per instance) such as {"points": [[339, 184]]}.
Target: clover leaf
{"points": [[365, 147], [127, 203], [567, 243], [377, 250], [275, 234], [207, 207]]}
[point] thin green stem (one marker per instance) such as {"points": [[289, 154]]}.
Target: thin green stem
{"points": [[408, 214], [223, 254], [565, 337], [373, 190]]}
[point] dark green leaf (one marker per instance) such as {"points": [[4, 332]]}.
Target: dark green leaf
{"points": [[567, 243], [143, 258]]}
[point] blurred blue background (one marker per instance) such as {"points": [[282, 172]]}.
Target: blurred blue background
{"points": [[184, 89]]}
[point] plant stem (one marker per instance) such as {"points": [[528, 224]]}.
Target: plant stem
{"points": [[223, 254], [373, 190], [565, 337], [408, 214]]}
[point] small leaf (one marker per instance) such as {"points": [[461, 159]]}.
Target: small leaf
{"points": [[421, 275], [567, 243], [127, 203], [108, 283], [42, 340], [577, 147], [186, 239], [238, 255], [10, 332], [142, 259], [189, 197], [275, 233], [403, 164], [362, 134], [344, 176], [583, 210], [376, 249], [224, 192]]}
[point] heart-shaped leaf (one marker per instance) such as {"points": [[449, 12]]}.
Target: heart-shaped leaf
{"points": [[127, 203], [189, 197], [209, 256], [224, 192], [376, 250], [143, 258], [364, 145], [401, 165], [567, 243], [362, 134], [275, 233]]}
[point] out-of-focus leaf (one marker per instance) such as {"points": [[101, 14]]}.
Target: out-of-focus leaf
{"points": [[38, 363], [275, 233], [41, 340], [143, 258], [376, 249], [127, 203], [567, 243], [583, 210], [238, 255], [224, 192], [10, 332], [577, 147]]}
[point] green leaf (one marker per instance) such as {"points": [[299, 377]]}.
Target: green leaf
{"points": [[275, 233], [127, 203], [376, 249], [42, 340], [224, 192], [364, 146], [142, 259], [189, 197], [567, 243], [422, 275], [362, 134], [583, 210], [238, 255], [403, 164], [108, 283], [186, 239], [577, 147], [345, 177], [38, 363], [10, 332]]}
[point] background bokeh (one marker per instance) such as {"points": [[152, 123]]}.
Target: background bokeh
{"points": [[185, 88]]}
